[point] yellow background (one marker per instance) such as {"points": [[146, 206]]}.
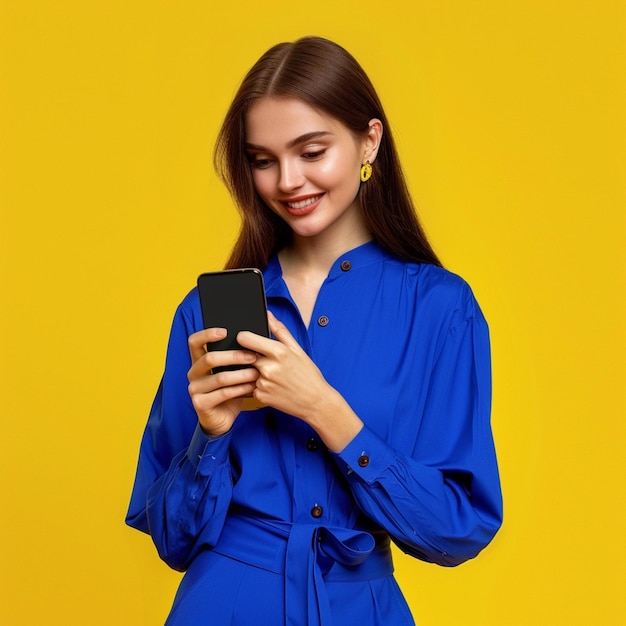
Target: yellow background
{"points": [[510, 117]]}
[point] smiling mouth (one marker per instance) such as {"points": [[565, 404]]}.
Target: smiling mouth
{"points": [[303, 204], [302, 207]]}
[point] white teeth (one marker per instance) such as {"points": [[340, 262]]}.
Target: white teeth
{"points": [[303, 203]]}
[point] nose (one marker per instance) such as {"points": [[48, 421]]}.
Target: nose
{"points": [[290, 177]]}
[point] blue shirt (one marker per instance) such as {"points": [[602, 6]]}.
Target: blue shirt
{"points": [[408, 347]]}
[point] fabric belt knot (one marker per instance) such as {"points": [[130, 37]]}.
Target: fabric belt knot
{"points": [[309, 556]]}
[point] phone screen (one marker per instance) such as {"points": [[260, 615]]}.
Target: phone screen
{"points": [[235, 300]]}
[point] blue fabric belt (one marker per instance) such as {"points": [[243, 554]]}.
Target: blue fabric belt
{"points": [[309, 555]]}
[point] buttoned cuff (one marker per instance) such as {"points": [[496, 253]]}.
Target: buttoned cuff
{"points": [[205, 452], [366, 456]]}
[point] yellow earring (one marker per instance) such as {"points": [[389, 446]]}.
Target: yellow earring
{"points": [[366, 171]]}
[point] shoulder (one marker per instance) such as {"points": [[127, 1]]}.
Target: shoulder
{"points": [[441, 282], [445, 294], [188, 312]]}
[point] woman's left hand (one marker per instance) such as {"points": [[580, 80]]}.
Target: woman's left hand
{"points": [[290, 382]]}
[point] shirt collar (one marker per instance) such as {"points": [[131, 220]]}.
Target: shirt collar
{"points": [[361, 256]]}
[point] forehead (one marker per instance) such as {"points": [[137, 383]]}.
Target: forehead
{"points": [[278, 121]]}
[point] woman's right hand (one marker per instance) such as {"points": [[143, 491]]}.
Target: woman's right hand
{"points": [[218, 398]]}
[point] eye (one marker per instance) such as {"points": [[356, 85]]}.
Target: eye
{"points": [[260, 163], [313, 155]]}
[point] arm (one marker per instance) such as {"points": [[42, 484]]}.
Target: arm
{"points": [[186, 507], [183, 484], [440, 497]]}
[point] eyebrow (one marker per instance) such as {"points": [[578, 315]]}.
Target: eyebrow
{"points": [[316, 134]]}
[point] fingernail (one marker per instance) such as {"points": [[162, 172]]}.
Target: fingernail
{"points": [[221, 332]]}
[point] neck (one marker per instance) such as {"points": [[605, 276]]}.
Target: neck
{"points": [[316, 255]]}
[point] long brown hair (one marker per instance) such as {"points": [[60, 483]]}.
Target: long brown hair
{"points": [[325, 76]]}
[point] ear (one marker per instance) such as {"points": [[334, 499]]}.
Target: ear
{"points": [[372, 140]]}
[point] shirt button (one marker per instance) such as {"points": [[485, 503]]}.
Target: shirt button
{"points": [[346, 266], [317, 511], [364, 460], [311, 444], [323, 320]]}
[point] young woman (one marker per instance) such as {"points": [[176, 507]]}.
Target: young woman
{"points": [[376, 381]]}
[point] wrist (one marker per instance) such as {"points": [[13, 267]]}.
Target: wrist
{"points": [[215, 433], [335, 422]]}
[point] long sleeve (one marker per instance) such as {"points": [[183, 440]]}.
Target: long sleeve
{"points": [[439, 498], [183, 484]]}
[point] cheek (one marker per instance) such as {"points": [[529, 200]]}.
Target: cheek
{"points": [[262, 180], [342, 176], [339, 173]]}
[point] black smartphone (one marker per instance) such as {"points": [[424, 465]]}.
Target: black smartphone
{"points": [[234, 300]]}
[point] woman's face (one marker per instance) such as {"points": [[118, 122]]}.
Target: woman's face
{"points": [[305, 166]]}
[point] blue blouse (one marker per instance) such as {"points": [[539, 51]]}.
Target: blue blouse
{"points": [[408, 347]]}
